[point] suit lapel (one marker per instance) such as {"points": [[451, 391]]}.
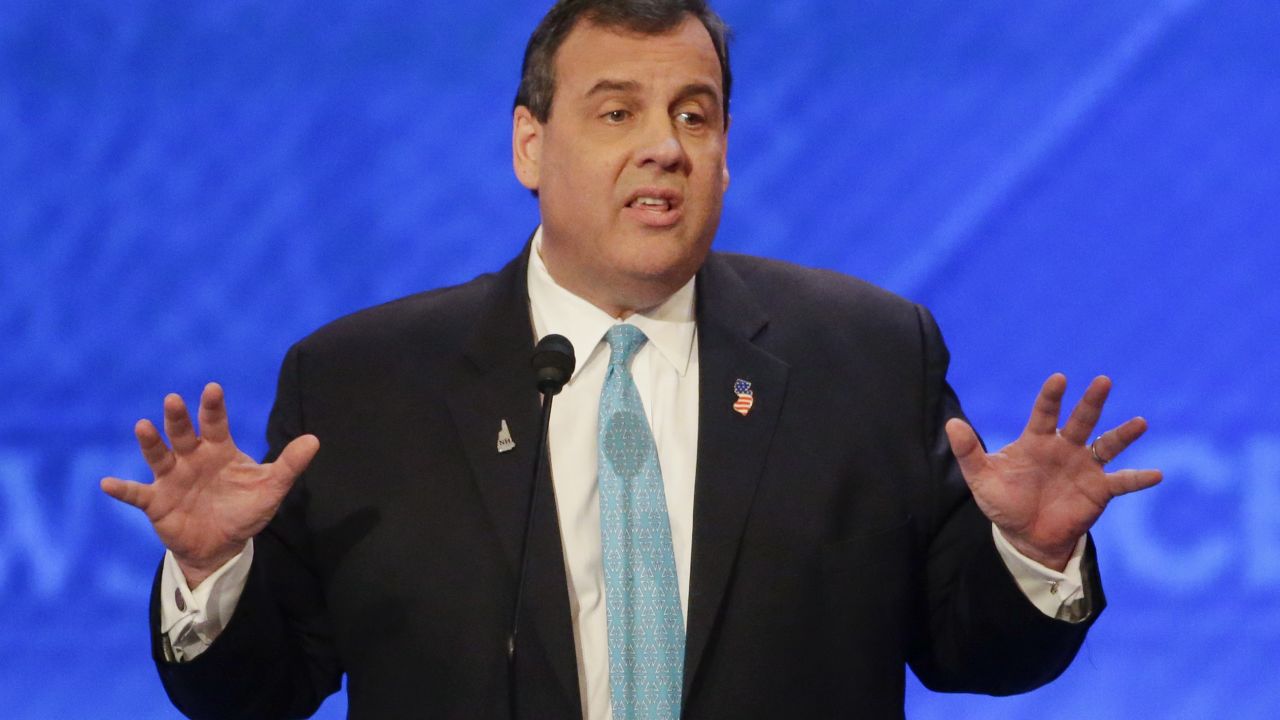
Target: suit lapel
{"points": [[498, 384], [731, 447]]}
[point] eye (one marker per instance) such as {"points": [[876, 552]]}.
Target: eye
{"points": [[616, 117], [691, 119]]}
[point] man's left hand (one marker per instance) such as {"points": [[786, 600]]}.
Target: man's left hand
{"points": [[1047, 488]]}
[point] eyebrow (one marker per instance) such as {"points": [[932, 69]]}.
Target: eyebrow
{"points": [[605, 86], [698, 88], [631, 86]]}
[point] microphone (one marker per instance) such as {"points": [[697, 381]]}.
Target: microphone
{"points": [[553, 363]]}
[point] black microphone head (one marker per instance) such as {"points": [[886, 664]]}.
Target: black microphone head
{"points": [[553, 361]]}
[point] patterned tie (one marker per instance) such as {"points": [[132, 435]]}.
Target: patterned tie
{"points": [[646, 627]]}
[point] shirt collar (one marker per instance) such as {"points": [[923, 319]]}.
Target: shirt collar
{"points": [[669, 325]]}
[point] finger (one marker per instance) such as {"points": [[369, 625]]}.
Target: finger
{"points": [[154, 451], [1122, 482], [213, 414], [127, 491], [295, 458], [1084, 416], [1048, 405], [177, 425], [966, 448], [1111, 443]]}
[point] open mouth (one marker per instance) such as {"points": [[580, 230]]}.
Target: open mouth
{"points": [[650, 203], [655, 207]]}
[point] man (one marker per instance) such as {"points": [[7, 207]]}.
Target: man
{"points": [[764, 504]]}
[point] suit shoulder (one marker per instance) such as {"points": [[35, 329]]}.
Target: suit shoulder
{"points": [[439, 319], [824, 297]]}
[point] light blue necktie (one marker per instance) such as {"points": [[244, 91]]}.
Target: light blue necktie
{"points": [[646, 627]]}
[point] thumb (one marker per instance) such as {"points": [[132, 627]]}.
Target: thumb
{"points": [[965, 446], [128, 491], [296, 456]]}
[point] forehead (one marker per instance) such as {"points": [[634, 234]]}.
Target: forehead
{"points": [[675, 58]]}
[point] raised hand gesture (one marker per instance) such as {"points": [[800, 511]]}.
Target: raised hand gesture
{"points": [[1047, 488], [208, 498]]}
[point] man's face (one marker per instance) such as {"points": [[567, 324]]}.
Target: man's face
{"points": [[630, 165]]}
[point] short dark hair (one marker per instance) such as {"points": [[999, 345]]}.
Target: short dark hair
{"points": [[650, 17]]}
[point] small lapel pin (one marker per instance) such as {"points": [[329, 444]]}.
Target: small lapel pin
{"points": [[505, 443], [746, 398]]}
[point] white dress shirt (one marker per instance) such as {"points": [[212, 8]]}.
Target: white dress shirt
{"points": [[666, 374], [665, 370]]}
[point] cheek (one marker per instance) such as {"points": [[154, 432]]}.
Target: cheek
{"points": [[589, 181], [709, 165], [562, 190], [711, 182]]}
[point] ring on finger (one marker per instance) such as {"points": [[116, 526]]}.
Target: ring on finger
{"points": [[1093, 450]]}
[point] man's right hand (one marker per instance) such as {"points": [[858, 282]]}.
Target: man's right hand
{"points": [[208, 498]]}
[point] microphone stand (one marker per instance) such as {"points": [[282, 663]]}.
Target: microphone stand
{"points": [[553, 359]]}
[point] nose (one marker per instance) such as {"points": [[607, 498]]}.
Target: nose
{"points": [[660, 146]]}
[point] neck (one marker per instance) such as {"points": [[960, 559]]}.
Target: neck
{"points": [[619, 305]]}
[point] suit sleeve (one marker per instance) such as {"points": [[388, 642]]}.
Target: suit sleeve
{"points": [[276, 657], [979, 632]]}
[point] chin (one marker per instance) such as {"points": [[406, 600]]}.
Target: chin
{"points": [[670, 268], [647, 287]]}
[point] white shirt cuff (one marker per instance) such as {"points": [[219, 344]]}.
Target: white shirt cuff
{"points": [[1059, 595], [192, 619]]}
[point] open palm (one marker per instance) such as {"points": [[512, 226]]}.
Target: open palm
{"points": [[208, 498], [1047, 488]]}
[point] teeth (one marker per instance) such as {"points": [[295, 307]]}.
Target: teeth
{"points": [[651, 202]]}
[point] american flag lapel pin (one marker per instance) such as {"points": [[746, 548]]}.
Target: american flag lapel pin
{"points": [[746, 397]]}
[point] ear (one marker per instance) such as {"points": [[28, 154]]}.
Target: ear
{"points": [[724, 159], [526, 147]]}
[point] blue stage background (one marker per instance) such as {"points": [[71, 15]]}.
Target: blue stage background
{"points": [[187, 188]]}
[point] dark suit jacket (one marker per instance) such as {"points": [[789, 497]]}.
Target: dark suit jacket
{"points": [[834, 538]]}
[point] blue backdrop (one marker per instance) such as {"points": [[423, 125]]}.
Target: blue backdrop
{"points": [[187, 188]]}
